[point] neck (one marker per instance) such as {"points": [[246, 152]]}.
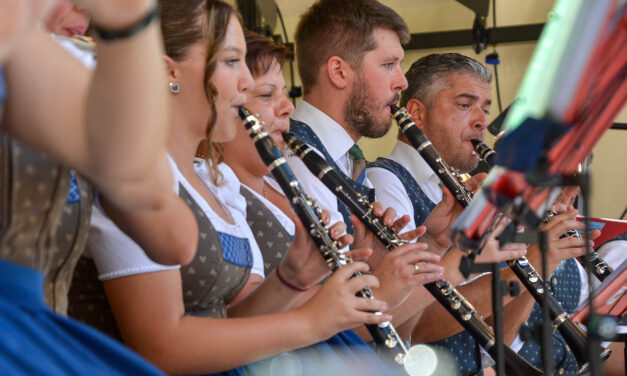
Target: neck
{"points": [[182, 147], [248, 178]]}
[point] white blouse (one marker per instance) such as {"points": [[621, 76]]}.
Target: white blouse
{"points": [[117, 255]]}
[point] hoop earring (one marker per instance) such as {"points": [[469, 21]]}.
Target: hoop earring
{"points": [[175, 88]]}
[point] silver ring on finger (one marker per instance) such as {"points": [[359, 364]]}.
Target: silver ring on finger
{"points": [[416, 268]]}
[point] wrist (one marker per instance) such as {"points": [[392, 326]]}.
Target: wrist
{"points": [[289, 280], [128, 30]]}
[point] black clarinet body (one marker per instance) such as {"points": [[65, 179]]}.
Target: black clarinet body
{"points": [[574, 336], [306, 209], [443, 291]]}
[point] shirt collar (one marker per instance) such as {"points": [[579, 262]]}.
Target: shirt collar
{"points": [[409, 158], [333, 136]]}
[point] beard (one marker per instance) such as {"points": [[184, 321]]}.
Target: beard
{"points": [[357, 112], [453, 153]]}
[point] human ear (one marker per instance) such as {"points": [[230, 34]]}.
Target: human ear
{"points": [[337, 71], [172, 69], [418, 112]]}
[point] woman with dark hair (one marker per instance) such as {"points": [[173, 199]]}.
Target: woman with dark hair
{"points": [[183, 319]]}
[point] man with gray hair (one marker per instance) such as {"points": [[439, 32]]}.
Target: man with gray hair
{"points": [[448, 97]]}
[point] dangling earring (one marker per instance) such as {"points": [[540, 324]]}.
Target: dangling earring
{"points": [[175, 88]]}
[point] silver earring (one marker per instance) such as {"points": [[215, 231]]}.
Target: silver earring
{"points": [[175, 88]]}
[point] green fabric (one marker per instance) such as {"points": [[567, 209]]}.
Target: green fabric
{"points": [[356, 152]]}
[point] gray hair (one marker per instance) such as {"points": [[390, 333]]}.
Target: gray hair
{"points": [[428, 71]]}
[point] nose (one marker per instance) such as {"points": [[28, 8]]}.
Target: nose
{"points": [[480, 119], [245, 80], [399, 82], [284, 108]]}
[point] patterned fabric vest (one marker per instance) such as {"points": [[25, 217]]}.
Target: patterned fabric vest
{"points": [[37, 229], [419, 200], [565, 285], [72, 237], [271, 236], [216, 275], [219, 270], [305, 133]]}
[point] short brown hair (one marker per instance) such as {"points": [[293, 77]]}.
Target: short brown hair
{"points": [[184, 23], [341, 28], [262, 52]]}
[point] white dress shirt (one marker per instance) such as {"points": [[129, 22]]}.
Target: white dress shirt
{"points": [[391, 192], [337, 142]]}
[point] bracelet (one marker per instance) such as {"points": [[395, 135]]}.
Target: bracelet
{"points": [[286, 283], [447, 251], [112, 35]]}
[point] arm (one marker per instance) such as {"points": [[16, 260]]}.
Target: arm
{"points": [[110, 126], [150, 314]]}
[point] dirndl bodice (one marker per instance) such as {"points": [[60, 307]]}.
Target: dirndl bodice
{"points": [[272, 238], [218, 272], [38, 230]]}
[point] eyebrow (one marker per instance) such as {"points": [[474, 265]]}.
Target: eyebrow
{"points": [[233, 48], [472, 96]]}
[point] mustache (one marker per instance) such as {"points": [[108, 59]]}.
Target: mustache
{"points": [[395, 99]]}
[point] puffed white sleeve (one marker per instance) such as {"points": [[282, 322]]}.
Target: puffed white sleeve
{"points": [[391, 193], [115, 253]]}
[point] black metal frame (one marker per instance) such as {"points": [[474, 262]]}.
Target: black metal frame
{"points": [[456, 38]]}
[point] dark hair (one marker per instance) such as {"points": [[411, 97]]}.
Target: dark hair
{"points": [[426, 72], [262, 52], [341, 28], [184, 23]]}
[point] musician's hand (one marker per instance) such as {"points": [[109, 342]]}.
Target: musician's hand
{"points": [[364, 238], [441, 219], [303, 265], [17, 19], [474, 183], [398, 275], [562, 248], [335, 307], [491, 251], [565, 199]]}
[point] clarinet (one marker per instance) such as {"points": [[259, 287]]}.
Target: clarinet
{"points": [[574, 336], [599, 267], [309, 214], [443, 291]]}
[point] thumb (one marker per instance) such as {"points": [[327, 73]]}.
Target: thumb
{"points": [[301, 235]]}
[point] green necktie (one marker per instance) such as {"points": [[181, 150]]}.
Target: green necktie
{"points": [[359, 163]]}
